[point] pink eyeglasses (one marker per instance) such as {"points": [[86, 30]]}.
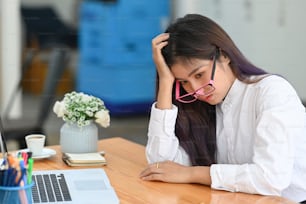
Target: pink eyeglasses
{"points": [[202, 91]]}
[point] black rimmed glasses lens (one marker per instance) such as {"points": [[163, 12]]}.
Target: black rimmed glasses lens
{"points": [[204, 90]]}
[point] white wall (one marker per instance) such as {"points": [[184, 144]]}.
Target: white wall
{"points": [[271, 33], [10, 54]]}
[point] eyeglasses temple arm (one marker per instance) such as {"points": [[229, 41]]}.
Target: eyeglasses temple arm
{"points": [[213, 69], [177, 89]]}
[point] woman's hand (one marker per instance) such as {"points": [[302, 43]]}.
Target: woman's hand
{"points": [[172, 172], [158, 43], [167, 172], [166, 78]]}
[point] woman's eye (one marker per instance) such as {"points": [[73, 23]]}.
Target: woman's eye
{"points": [[183, 82], [198, 76]]}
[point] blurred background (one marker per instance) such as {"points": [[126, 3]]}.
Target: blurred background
{"points": [[103, 48]]}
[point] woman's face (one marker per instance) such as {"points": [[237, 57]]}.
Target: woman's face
{"points": [[196, 73]]}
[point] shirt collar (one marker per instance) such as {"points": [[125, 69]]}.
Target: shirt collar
{"points": [[234, 94]]}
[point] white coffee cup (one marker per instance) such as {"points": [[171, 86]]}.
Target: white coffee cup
{"points": [[35, 143]]}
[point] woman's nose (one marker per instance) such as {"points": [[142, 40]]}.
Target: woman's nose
{"points": [[194, 86]]}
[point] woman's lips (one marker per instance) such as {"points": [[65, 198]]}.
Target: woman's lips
{"points": [[209, 97], [206, 98]]}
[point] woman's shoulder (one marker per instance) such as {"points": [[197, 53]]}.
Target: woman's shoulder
{"points": [[273, 81], [275, 89]]}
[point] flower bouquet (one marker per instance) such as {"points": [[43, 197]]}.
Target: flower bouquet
{"points": [[81, 109]]}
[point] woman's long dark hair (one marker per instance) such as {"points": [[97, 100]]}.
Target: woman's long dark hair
{"points": [[197, 37]]}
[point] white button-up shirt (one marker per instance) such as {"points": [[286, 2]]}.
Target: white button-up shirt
{"points": [[261, 140]]}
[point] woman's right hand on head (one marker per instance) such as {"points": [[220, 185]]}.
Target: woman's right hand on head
{"points": [[158, 43], [166, 78]]}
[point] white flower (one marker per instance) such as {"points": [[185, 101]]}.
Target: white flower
{"points": [[80, 108], [59, 109], [103, 118], [85, 98]]}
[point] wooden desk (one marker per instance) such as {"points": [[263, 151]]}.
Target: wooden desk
{"points": [[127, 159]]}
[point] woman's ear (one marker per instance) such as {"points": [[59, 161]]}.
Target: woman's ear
{"points": [[224, 58]]}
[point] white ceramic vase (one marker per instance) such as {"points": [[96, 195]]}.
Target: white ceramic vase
{"points": [[74, 139]]}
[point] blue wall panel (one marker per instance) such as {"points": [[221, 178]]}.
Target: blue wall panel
{"points": [[115, 61]]}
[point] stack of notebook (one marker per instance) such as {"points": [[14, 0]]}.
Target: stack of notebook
{"points": [[84, 159]]}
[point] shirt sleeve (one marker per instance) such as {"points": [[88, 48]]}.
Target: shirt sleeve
{"points": [[162, 143], [278, 125]]}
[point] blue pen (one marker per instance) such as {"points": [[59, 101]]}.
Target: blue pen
{"points": [[3, 170], [4, 164], [11, 176], [21, 173], [2, 176], [6, 176]]}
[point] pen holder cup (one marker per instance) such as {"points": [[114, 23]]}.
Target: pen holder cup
{"points": [[16, 194]]}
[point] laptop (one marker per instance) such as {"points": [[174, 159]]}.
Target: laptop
{"points": [[77, 186]]}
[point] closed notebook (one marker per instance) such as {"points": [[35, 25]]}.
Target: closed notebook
{"points": [[84, 159]]}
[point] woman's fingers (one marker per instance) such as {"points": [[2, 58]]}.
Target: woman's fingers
{"points": [[158, 43], [154, 172], [151, 169], [161, 38], [166, 171], [153, 177]]}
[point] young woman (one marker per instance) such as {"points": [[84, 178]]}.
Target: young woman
{"points": [[221, 121]]}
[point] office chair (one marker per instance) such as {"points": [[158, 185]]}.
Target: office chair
{"points": [[19, 128], [44, 26]]}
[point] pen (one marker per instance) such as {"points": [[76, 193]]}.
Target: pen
{"points": [[4, 165], [19, 155], [11, 176], [2, 171], [20, 173], [29, 154], [29, 171], [25, 158], [5, 177], [11, 160]]}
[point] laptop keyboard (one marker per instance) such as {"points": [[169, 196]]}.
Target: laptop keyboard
{"points": [[50, 188]]}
